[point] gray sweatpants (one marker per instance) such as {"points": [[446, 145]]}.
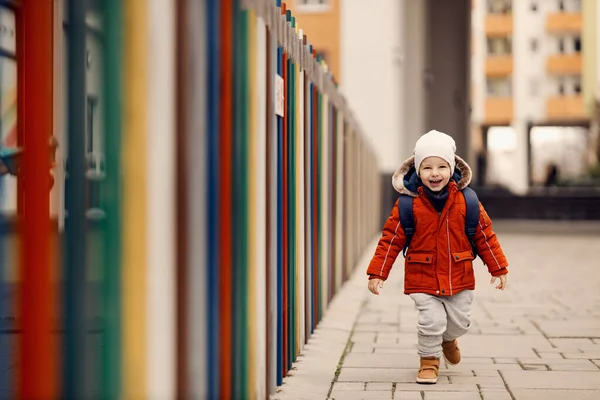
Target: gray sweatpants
{"points": [[441, 319]]}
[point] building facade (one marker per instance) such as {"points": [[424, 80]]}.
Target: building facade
{"points": [[514, 82], [534, 78]]}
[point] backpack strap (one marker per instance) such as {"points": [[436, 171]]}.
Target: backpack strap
{"points": [[405, 210], [472, 216]]}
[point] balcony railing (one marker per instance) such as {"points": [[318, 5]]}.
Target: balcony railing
{"points": [[564, 64], [563, 108], [499, 25], [564, 22], [499, 66], [498, 110]]}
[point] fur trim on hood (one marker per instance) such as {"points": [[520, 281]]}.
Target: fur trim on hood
{"points": [[404, 178]]}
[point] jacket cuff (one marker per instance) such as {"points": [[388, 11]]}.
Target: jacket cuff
{"points": [[373, 276], [498, 272]]}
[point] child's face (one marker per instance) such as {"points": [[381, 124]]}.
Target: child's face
{"points": [[434, 173]]}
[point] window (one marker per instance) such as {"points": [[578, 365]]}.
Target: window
{"points": [[577, 44], [534, 45], [499, 46], [561, 45], [577, 86], [499, 6], [499, 87], [561, 88], [313, 5]]}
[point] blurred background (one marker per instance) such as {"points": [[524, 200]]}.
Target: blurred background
{"points": [[186, 184]]}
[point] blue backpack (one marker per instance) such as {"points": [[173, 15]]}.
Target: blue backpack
{"points": [[405, 210]]}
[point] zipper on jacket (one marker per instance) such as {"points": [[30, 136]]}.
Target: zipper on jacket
{"points": [[449, 255]]}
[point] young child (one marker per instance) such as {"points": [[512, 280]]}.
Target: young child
{"points": [[438, 265]]}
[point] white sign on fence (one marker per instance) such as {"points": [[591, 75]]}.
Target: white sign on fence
{"points": [[279, 96]]}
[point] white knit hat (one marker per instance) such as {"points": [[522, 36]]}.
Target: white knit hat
{"points": [[435, 144]]}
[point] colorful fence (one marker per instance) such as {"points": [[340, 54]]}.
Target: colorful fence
{"points": [[219, 198]]}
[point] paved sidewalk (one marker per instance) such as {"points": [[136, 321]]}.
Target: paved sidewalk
{"points": [[539, 339]]}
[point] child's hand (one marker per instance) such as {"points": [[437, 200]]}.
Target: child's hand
{"points": [[374, 285], [502, 284]]}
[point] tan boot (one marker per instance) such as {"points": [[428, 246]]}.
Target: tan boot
{"points": [[428, 373], [451, 352]]}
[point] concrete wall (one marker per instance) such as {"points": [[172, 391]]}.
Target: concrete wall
{"points": [[415, 74], [405, 71], [447, 94], [370, 72], [521, 115], [478, 57]]}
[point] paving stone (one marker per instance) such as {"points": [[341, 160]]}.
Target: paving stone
{"points": [[535, 367], [386, 345], [400, 337], [462, 388], [585, 354], [547, 355], [552, 380], [581, 328], [581, 365], [381, 361], [387, 395], [477, 360], [390, 350], [482, 381], [353, 386], [407, 395], [557, 350], [555, 361], [560, 364], [485, 372], [574, 344], [494, 367], [377, 327], [495, 394], [529, 394], [390, 319], [369, 318], [363, 337], [452, 396], [378, 386], [377, 375], [362, 349], [387, 340], [452, 372], [501, 360]]}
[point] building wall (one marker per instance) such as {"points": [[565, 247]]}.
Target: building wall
{"points": [[372, 63], [447, 61], [590, 32], [414, 73], [547, 78], [321, 24], [478, 51]]}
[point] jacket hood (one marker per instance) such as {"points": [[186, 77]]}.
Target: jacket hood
{"points": [[406, 181]]}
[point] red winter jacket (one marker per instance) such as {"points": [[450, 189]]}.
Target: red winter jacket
{"points": [[440, 258]]}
